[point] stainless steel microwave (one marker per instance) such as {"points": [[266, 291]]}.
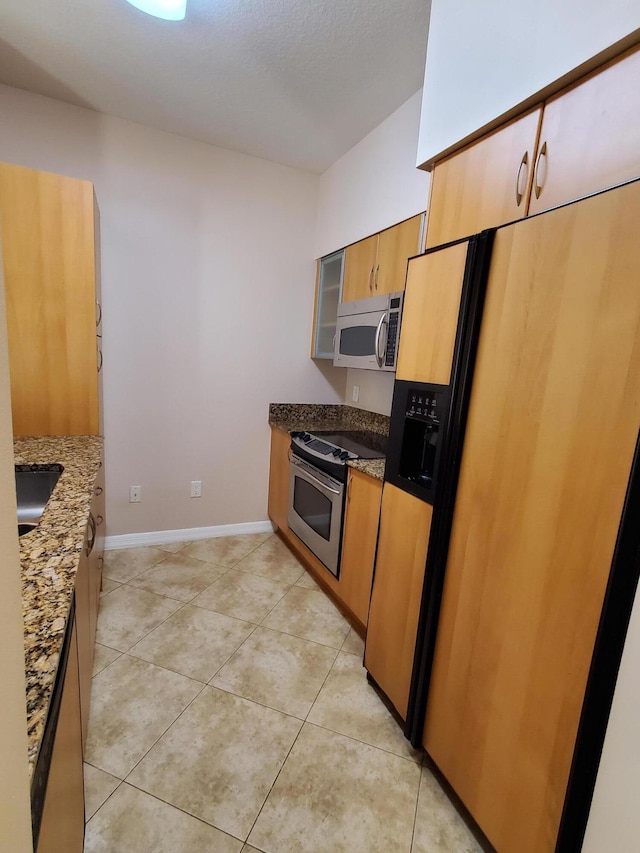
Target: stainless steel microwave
{"points": [[368, 332]]}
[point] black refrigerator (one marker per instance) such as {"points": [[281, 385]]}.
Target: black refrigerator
{"points": [[529, 457]]}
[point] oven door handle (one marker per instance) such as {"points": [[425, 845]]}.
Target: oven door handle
{"points": [[383, 322], [315, 479]]}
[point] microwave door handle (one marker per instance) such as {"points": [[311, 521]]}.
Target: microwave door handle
{"points": [[315, 479], [383, 322]]}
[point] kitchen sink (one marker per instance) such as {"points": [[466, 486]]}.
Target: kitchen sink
{"points": [[33, 489]]}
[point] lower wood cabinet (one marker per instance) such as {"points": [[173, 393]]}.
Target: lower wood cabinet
{"points": [[364, 494], [279, 478], [62, 825], [405, 524], [88, 584]]}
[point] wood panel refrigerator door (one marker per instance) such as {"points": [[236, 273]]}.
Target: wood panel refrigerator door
{"points": [[484, 185], [553, 422], [430, 315], [405, 524], [590, 136]]}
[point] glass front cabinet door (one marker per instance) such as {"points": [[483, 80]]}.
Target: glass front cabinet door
{"points": [[329, 287]]}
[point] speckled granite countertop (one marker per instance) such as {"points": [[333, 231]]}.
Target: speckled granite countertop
{"points": [[49, 559], [312, 417]]}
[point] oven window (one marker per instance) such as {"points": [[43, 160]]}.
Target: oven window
{"points": [[313, 507], [358, 340]]}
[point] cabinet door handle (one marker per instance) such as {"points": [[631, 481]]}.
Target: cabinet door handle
{"points": [[99, 520], [349, 489], [521, 186], [371, 279], [98, 314], [540, 174], [375, 278], [98, 491], [91, 534], [99, 360]]}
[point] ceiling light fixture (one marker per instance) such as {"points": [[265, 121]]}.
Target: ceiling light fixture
{"points": [[170, 10]]}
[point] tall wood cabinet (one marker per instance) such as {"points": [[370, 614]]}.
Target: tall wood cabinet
{"points": [[378, 264], [584, 139], [49, 225]]}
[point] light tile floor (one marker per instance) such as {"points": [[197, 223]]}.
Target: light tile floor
{"points": [[230, 712]]}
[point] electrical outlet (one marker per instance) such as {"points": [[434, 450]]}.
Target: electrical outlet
{"points": [[356, 393], [196, 488], [135, 494]]}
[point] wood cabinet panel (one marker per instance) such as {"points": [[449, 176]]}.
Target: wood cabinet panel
{"points": [[62, 827], [542, 485], [359, 269], [405, 524], [278, 504], [430, 315], [96, 557], [591, 134], [478, 187], [85, 626], [47, 224], [395, 246], [364, 494]]}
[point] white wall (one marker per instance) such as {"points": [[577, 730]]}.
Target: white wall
{"points": [[207, 279], [372, 186], [614, 820], [485, 59], [15, 805]]}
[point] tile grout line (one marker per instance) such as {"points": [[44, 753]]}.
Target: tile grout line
{"points": [[415, 813]]}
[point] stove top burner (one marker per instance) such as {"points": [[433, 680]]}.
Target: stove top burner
{"points": [[362, 443]]}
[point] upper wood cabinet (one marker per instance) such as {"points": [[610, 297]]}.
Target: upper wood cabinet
{"points": [[485, 184], [359, 542], [590, 136], [405, 524], [359, 268], [430, 318], [584, 139], [48, 225], [395, 246], [378, 264]]}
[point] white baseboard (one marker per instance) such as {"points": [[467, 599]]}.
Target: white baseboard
{"points": [[188, 534]]}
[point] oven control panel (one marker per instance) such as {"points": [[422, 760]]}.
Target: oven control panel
{"points": [[321, 448]]}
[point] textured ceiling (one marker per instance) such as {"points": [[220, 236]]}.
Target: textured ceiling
{"points": [[294, 81]]}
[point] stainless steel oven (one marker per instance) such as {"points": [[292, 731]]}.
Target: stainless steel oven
{"points": [[316, 504], [318, 474]]}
